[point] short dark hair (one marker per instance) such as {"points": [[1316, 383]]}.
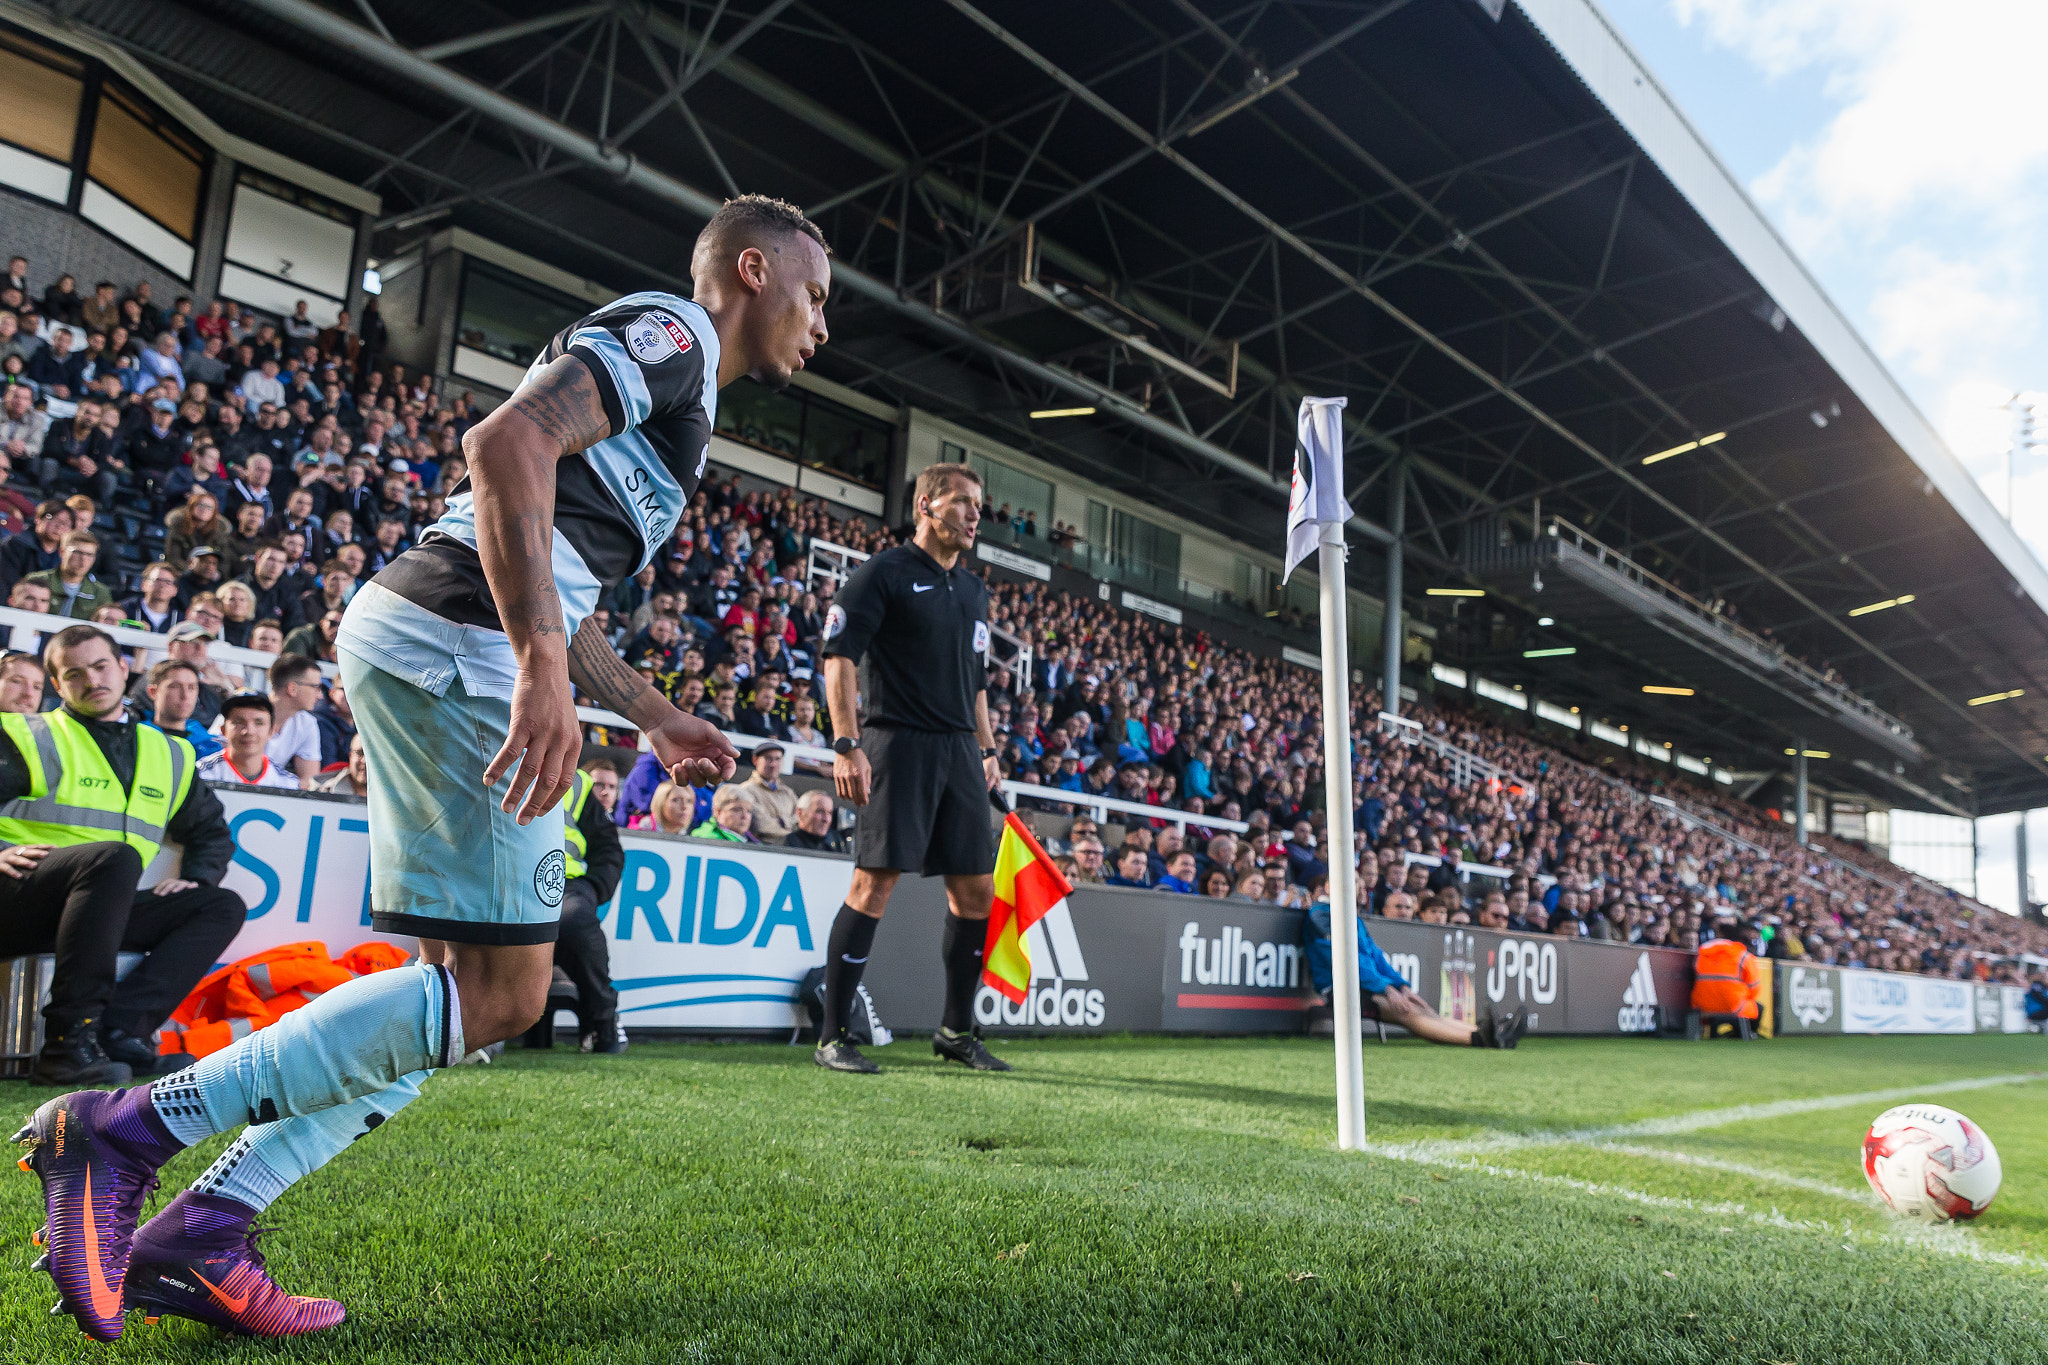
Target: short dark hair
{"points": [[165, 667], [288, 668], [749, 220], [247, 701], [71, 637]]}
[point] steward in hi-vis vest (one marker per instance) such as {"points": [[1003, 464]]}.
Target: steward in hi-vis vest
{"points": [[1726, 979], [594, 860], [87, 801]]}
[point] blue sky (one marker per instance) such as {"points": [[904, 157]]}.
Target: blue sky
{"points": [[1901, 146]]}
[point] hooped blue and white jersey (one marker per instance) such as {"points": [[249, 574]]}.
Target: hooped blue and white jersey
{"points": [[429, 617]]}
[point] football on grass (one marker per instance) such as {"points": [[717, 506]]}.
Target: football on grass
{"points": [[1931, 1164]]}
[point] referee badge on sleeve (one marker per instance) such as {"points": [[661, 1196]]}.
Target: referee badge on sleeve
{"points": [[981, 637], [835, 621]]}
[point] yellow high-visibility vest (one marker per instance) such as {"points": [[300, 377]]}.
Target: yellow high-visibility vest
{"points": [[74, 797], [575, 846]]}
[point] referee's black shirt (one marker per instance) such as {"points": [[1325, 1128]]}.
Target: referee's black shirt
{"points": [[923, 631]]}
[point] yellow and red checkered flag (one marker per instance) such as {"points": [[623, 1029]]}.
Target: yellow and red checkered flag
{"points": [[1027, 886]]}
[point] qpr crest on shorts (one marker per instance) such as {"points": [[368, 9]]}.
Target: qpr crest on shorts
{"points": [[654, 337], [551, 878]]}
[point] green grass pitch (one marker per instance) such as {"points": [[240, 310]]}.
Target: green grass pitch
{"points": [[1138, 1200]]}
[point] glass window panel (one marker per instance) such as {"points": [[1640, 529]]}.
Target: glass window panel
{"points": [[509, 318], [756, 414], [146, 162], [849, 444], [42, 101]]}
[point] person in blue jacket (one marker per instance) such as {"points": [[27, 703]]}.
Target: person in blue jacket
{"points": [[1391, 993]]}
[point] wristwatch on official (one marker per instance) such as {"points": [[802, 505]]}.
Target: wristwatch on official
{"points": [[845, 744], [990, 753]]}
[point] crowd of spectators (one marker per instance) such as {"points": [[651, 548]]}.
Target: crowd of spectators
{"points": [[219, 476]]}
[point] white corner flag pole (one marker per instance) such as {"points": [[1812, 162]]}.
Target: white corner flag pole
{"points": [[1318, 505]]}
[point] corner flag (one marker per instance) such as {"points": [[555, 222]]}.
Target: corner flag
{"points": [[1316, 495], [1027, 886]]}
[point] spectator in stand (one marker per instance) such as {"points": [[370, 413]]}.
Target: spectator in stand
{"points": [[774, 802], [74, 591], [759, 717], [173, 688], [252, 486], [156, 607], [316, 638], [275, 595], [672, 809], [21, 684], [261, 386], [354, 777], [815, 825], [1180, 874], [337, 722], [23, 427], [154, 450], [244, 757], [238, 612], [294, 742], [102, 311], [37, 549], [732, 818], [1131, 869]]}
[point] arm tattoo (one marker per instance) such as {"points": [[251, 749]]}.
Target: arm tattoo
{"points": [[604, 677], [563, 402]]}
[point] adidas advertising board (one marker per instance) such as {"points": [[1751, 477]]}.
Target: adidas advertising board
{"points": [[1060, 996], [1638, 1012]]}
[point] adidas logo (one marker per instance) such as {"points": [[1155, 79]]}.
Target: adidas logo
{"points": [[1052, 1000], [1638, 1012]]}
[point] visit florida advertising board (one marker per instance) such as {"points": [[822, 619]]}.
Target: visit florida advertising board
{"points": [[703, 935]]}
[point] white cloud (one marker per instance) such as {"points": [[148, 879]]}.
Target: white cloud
{"points": [[1936, 315], [1939, 103]]}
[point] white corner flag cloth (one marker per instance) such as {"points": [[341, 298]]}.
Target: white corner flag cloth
{"points": [[1317, 494]]}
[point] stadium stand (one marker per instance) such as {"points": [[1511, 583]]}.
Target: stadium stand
{"points": [[272, 472]]}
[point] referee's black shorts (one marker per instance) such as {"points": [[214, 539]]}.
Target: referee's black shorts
{"points": [[929, 811]]}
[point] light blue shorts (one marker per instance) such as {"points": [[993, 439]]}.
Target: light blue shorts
{"points": [[445, 861]]}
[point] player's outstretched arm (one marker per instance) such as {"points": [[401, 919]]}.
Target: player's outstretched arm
{"points": [[512, 455], [693, 750]]}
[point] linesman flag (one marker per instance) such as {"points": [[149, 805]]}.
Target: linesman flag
{"points": [[1317, 494], [1028, 886]]}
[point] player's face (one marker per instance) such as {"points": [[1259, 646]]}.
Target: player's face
{"points": [[795, 280]]}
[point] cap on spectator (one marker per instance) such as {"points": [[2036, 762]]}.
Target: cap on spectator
{"points": [[190, 630], [398, 467], [198, 550], [164, 405], [307, 456], [770, 747]]}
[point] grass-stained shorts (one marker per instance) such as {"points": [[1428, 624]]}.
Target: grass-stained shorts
{"points": [[445, 861]]}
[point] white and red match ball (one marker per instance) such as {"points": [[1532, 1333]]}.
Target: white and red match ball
{"points": [[1930, 1164]]}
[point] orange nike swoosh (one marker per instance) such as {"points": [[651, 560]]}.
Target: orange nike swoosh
{"points": [[106, 1304], [220, 1296]]}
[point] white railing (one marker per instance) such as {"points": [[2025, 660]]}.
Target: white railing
{"points": [[23, 627], [1466, 766], [832, 563], [1014, 660], [1101, 806]]}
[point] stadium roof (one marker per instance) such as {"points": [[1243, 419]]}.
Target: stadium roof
{"points": [[1497, 236]]}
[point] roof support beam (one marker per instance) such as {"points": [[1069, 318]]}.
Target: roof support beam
{"points": [[630, 171], [490, 37]]}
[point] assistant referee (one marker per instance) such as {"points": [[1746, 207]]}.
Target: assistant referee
{"points": [[921, 763]]}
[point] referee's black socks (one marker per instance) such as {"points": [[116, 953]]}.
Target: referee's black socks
{"points": [[846, 957], [961, 947]]}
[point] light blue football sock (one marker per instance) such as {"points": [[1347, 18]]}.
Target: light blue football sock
{"points": [[355, 1040], [269, 1158]]}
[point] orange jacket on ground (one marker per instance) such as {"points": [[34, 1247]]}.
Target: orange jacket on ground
{"points": [[244, 996], [1727, 979]]}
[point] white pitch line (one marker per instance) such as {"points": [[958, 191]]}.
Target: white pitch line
{"points": [[1947, 1240], [1700, 1119], [1762, 1174]]}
